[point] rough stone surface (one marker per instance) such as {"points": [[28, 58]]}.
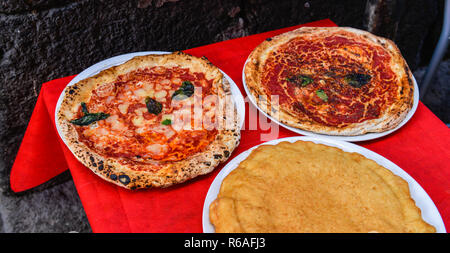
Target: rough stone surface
{"points": [[41, 40], [438, 93]]}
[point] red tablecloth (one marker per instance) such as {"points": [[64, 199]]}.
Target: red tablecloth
{"points": [[420, 148]]}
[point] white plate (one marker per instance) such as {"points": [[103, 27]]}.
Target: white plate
{"points": [[429, 211], [117, 60], [356, 138]]}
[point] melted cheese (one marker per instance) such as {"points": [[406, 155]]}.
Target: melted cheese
{"points": [[123, 108], [138, 121], [131, 130]]}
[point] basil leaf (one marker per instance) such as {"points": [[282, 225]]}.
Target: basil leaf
{"points": [[186, 90], [84, 108], [321, 94], [357, 80], [153, 106], [167, 122], [301, 80], [89, 118]]}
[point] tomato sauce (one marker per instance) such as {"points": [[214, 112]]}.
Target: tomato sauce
{"points": [[329, 62]]}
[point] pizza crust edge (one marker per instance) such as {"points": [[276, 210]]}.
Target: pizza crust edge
{"points": [[110, 169]]}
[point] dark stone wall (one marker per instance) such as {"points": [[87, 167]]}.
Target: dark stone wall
{"points": [[41, 40]]}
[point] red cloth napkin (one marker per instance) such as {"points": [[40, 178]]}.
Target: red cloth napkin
{"points": [[420, 148]]}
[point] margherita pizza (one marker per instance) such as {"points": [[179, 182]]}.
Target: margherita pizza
{"points": [[331, 80], [154, 121]]}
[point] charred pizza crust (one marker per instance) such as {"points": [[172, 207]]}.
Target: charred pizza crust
{"points": [[389, 118], [125, 174]]}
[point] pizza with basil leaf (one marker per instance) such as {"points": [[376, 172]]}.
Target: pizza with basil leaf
{"points": [[153, 121], [331, 80]]}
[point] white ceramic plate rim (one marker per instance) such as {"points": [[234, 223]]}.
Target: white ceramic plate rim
{"points": [[429, 211], [356, 138], [117, 60]]}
